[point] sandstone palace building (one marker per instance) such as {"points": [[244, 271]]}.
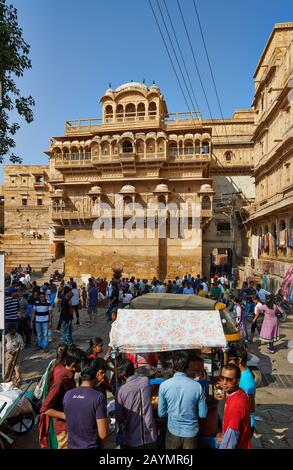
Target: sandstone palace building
{"points": [[238, 172]]}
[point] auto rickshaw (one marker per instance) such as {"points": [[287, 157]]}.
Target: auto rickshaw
{"points": [[195, 302]]}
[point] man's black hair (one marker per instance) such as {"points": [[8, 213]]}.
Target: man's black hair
{"points": [[126, 367], [100, 364], [235, 368], [181, 361], [66, 290], [88, 370], [74, 356], [258, 286], [11, 327], [194, 357]]}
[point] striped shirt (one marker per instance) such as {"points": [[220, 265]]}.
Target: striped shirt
{"points": [[42, 311], [11, 309]]}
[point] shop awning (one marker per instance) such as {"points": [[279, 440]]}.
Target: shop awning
{"points": [[137, 331]]}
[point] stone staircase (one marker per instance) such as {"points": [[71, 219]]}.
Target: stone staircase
{"points": [[44, 276], [34, 252]]}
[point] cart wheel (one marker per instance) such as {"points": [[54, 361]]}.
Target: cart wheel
{"points": [[23, 423], [256, 375]]}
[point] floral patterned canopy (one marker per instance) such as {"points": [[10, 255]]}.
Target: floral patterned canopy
{"points": [[138, 331]]}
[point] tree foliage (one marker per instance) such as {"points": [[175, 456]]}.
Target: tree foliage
{"points": [[14, 60]]}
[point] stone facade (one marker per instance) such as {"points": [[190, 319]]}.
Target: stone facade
{"points": [[26, 217], [271, 217], [139, 153]]}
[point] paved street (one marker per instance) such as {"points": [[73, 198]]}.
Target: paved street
{"points": [[274, 400]]}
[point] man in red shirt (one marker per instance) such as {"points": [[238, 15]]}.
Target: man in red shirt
{"points": [[236, 423], [62, 383]]}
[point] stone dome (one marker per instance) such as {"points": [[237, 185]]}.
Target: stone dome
{"points": [[206, 188], [162, 188], [109, 91], [131, 85], [127, 189], [96, 190]]}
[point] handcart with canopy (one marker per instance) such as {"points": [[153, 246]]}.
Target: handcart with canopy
{"points": [[160, 330]]}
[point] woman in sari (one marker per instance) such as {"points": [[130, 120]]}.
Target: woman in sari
{"points": [[47, 436]]}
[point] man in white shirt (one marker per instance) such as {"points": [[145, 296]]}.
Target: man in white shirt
{"points": [[205, 287], [221, 287], [258, 317], [126, 297]]}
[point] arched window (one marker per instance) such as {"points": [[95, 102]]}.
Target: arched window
{"points": [[108, 113], [172, 149], [65, 153], [119, 113], [151, 146], [128, 203], [57, 153], [290, 234], [228, 156], [152, 110], [105, 148], [130, 112], [188, 147], [206, 203], [141, 111], [282, 225], [205, 147], [197, 146], [74, 153], [161, 145], [140, 146], [162, 199], [114, 147], [127, 146]]}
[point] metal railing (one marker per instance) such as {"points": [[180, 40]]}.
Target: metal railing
{"points": [[177, 151], [89, 125]]}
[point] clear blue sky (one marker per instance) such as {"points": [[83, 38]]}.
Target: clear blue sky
{"points": [[78, 47]]}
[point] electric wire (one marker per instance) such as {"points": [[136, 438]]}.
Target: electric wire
{"points": [[175, 54], [170, 58], [181, 55], [210, 67]]}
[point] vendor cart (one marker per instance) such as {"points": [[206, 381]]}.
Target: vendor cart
{"points": [[140, 331], [194, 302]]}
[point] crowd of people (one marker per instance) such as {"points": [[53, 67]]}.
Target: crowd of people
{"points": [[76, 384], [74, 392]]}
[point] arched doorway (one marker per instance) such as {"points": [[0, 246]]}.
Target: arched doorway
{"points": [[59, 250], [221, 261]]}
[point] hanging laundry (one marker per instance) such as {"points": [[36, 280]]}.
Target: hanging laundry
{"points": [[267, 241], [254, 246], [283, 238]]}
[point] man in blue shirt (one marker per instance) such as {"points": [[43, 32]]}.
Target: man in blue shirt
{"points": [[188, 290], [182, 400]]}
